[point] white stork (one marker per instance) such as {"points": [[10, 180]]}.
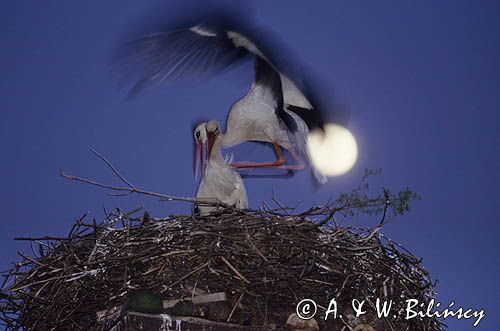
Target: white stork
{"points": [[219, 180], [274, 110]]}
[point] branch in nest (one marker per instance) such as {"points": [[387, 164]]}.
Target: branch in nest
{"points": [[130, 188]]}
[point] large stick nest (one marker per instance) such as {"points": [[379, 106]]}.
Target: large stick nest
{"points": [[266, 261]]}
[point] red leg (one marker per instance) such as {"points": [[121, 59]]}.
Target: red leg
{"points": [[280, 160], [279, 163]]}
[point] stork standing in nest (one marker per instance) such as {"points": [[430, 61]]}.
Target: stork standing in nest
{"points": [[219, 181], [274, 110]]}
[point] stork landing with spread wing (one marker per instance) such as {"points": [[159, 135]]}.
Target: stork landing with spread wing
{"points": [[275, 109]]}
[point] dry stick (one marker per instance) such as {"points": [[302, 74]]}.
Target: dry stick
{"points": [[41, 282], [47, 238], [187, 275], [234, 307], [112, 168], [234, 270], [387, 201], [283, 208], [133, 189], [253, 245]]}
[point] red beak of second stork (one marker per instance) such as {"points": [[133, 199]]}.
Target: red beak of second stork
{"points": [[211, 136], [199, 155]]}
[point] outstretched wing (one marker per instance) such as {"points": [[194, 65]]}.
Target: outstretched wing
{"points": [[204, 50], [197, 52]]}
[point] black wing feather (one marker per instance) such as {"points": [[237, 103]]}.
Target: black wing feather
{"points": [[312, 117], [170, 56], [266, 75]]}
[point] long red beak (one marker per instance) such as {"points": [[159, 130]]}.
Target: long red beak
{"points": [[199, 154], [211, 139]]}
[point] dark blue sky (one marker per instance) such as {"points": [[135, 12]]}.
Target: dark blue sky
{"points": [[421, 79]]}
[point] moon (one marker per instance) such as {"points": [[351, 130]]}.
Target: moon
{"points": [[333, 152]]}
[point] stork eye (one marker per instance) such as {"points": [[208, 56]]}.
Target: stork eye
{"points": [[198, 134]]}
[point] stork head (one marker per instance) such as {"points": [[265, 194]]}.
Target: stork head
{"points": [[200, 139], [213, 131]]}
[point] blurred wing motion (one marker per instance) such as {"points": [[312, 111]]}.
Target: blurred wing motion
{"points": [[279, 108], [182, 54]]}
